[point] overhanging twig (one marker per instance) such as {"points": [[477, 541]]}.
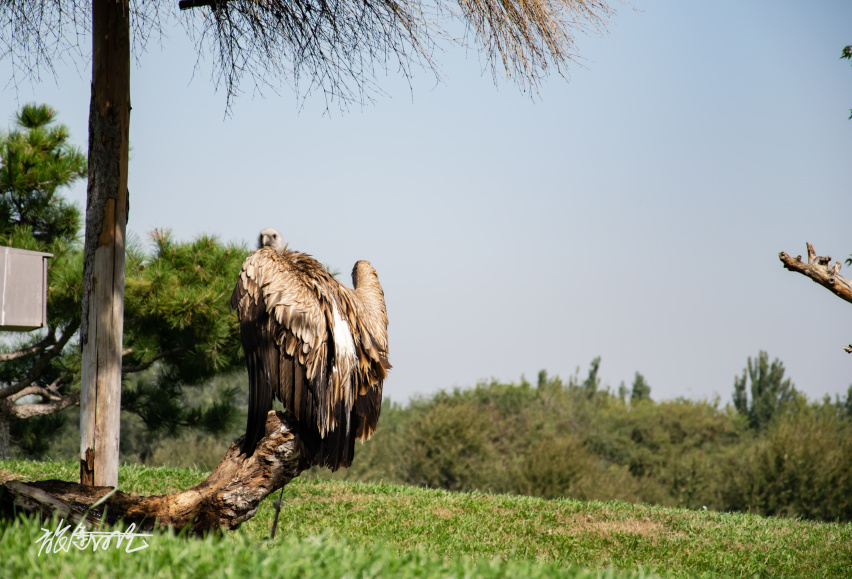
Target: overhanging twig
{"points": [[187, 4]]}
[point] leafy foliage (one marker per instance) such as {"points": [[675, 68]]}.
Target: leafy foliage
{"points": [[800, 468]]}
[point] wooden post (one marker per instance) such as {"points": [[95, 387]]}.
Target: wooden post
{"points": [[106, 220]]}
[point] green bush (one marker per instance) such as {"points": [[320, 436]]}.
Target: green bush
{"points": [[802, 467], [453, 447], [556, 467], [564, 439]]}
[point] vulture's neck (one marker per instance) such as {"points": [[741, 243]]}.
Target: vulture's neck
{"points": [[366, 283]]}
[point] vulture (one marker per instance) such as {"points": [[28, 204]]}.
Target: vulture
{"points": [[316, 345]]}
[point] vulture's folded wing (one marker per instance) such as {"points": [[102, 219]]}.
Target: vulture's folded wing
{"points": [[284, 333], [319, 347]]}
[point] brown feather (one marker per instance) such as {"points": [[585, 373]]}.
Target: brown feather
{"points": [[318, 346]]}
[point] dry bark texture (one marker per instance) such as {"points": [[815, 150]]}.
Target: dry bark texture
{"points": [[102, 324], [821, 271], [224, 500]]}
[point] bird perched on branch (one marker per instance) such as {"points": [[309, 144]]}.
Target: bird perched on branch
{"points": [[313, 343]]}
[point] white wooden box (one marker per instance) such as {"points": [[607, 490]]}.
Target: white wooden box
{"points": [[23, 289]]}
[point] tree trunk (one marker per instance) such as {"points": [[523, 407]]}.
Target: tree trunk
{"points": [[106, 221], [224, 500], [5, 431]]}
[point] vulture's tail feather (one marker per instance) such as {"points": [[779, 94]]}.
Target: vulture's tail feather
{"points": [[259, 403], [262, 366]]}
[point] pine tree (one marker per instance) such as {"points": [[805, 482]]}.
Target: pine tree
{"points": [[641, 390], [770, 393], [37, 161], [178, 329]]}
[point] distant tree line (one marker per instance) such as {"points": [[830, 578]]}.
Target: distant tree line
{"points": [[771, 452]]}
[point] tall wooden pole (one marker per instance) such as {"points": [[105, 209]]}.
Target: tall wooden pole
{"points": [[106, 220]]}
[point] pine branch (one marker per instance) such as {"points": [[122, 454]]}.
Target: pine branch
{"points": [[48, 341], [207, 295], [56, 182], [149, 363], [51, 392], [46, 357]]}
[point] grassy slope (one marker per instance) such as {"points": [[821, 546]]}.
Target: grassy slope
{"points": [[332, 529]]}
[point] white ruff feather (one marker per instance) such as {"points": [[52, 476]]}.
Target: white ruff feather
{"points": [[344, 345], [344, 355]]}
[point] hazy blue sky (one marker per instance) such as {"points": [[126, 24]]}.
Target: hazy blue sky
{"points": [[634, 213]]}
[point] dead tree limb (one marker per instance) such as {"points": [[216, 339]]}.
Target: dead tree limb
{"points": [[821, 271], [224, 500]]}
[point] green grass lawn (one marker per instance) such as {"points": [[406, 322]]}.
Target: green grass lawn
{"points": [[340, 529]]}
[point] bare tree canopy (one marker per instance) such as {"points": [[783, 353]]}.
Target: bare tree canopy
{"points": [[333, 46]]}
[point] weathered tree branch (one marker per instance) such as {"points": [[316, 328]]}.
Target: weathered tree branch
{"points": [[42, 362], [820, 270], [224, 500], [48, 341], [50, 394], [24, 411]]}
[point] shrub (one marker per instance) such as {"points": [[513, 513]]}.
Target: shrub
{"points": [[802, 467]]}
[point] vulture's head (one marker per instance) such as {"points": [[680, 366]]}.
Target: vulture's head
{"points": [[271, 238]]}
